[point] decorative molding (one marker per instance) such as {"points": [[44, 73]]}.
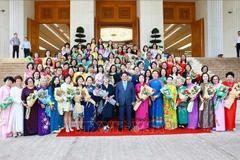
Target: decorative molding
{"points": [[179, 12], [107, 12], [124, 12], [184, 14], [168, 13], [52, 12], [116, 11], [64, 13], [46, 13]]}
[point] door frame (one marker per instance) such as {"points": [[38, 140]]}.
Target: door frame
{"points": [[117, 14], [183, 13]]}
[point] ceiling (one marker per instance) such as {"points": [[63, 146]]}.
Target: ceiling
{"points": [[56, 36], [119, 34], [177, 38]]}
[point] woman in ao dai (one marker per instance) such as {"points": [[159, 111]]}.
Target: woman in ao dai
{"points": [[16, 115]]}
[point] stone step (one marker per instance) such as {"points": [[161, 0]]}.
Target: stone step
{"points": [[220, 66]]}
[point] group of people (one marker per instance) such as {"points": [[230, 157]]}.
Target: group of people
{"points": [[122, 72], [16, 44]]}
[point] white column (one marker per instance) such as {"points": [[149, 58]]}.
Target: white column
{"points": [[150, 14], [215, 28], [82, 14], [4, 29], [19, 11], [16, 9], [212, 12]]}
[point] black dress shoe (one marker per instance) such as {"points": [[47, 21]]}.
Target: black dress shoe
{"points": [[120, 129], [78, 130], [129, 128]]}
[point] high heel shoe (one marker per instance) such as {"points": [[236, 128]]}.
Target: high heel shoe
{"points": [[71, 129], [67, 130]]}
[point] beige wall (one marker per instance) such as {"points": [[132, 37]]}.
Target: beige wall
{"points": [[231, 26]]}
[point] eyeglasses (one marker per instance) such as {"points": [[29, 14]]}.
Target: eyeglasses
{"points": [[188, 79]]}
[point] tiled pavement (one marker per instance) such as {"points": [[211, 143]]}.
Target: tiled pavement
{"points": [[216, 145]]}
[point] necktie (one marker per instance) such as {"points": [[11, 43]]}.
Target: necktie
{"points": [[125, 85]]}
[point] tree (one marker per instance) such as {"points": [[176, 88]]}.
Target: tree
{"points": [[156, 38], [80, 36]]}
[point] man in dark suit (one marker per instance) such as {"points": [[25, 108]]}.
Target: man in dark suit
{"points": [[125, 98]]}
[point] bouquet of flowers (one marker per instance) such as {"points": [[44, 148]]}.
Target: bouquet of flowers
{"points": [[29, 59], [78, 107], [209, 92], [192, 93], [99, 92], [58, 94], [70, 93], [36, 82], [221, 93], [167, 93], [118, 67], [234, 93], [44, 98], [86, 96], [182, 95], [111, 80], [53, 71], [5, 104], [75, 55], [193, 74], [31, 99], [48, 78], [145, 92]]}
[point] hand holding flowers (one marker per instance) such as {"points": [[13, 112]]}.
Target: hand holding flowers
{"points": [[192, 94], [31, 99], [209, 92], [58, 94], [145, 92], [234, 93], [45, 99], [221, 93]]}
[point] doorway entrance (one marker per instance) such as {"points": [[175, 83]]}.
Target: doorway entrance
{"points": [[117, 21], [182, 34], [118, 34], [50, 30], [178, 39], [52, 37]]}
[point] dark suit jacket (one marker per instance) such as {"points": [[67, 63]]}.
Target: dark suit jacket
{"points": [[123, 96]]}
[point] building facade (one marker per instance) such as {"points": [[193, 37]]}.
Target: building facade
{"points": [[220, 20]]}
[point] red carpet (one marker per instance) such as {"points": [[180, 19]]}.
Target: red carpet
{"points": [[114, 132]]}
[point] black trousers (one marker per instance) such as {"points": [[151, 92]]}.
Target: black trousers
{"points": [[26, 52], [238, 49], [15, 49]]}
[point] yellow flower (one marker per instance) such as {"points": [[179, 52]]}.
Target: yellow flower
{"points": [[167, 125]]}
